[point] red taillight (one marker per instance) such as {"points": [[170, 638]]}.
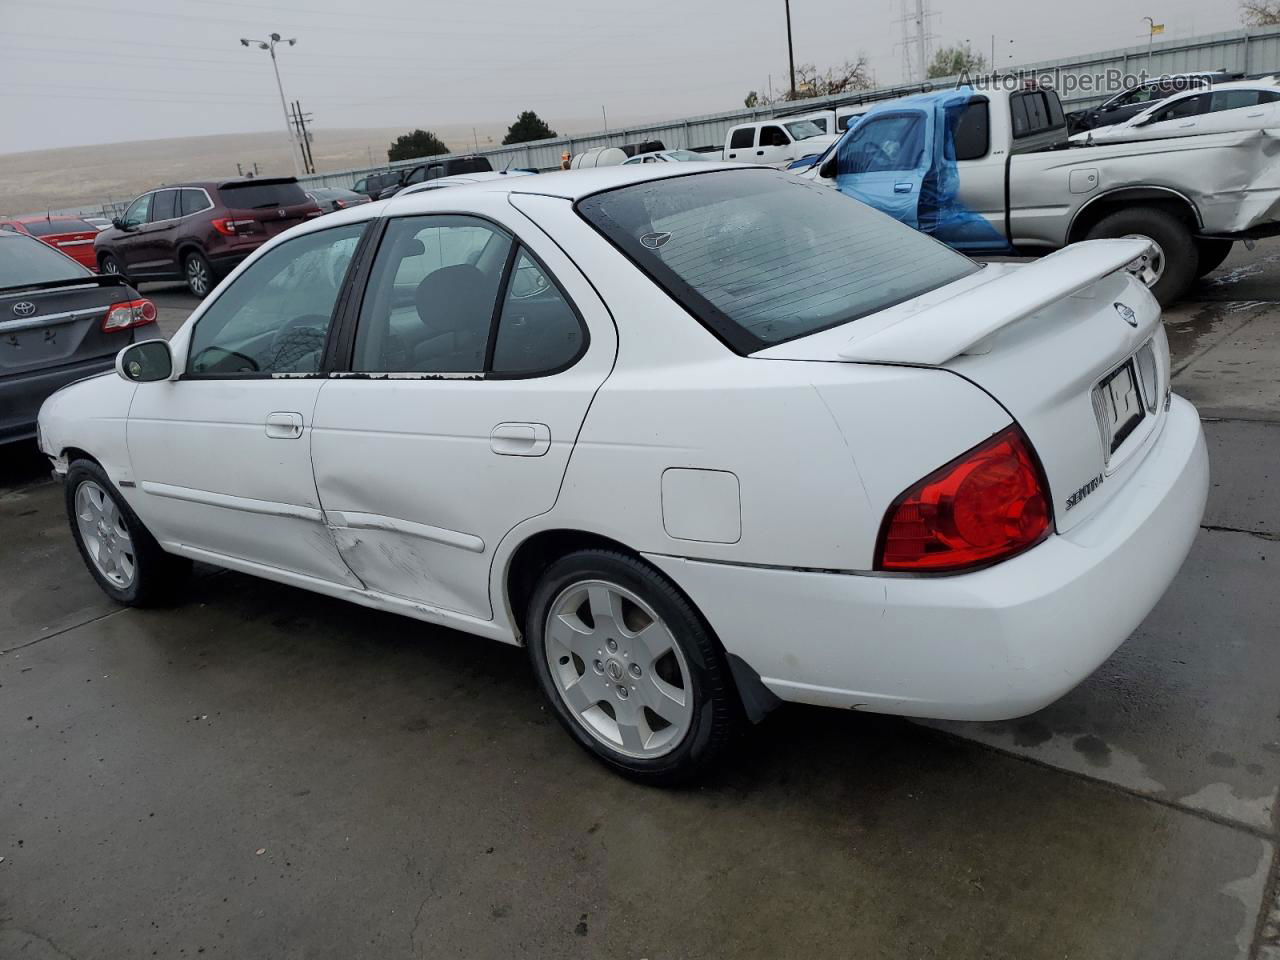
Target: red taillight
{"points": [[131, 313], [230, 227], [984, 506]]}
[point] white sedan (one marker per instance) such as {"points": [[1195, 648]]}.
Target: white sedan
{"points": [[702, 437], [1222, 108]]}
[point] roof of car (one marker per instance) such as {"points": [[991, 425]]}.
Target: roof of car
{"points": [[37, 218], [576, 184]]}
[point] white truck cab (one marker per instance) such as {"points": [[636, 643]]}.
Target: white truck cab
{"points": [[775, 142]]}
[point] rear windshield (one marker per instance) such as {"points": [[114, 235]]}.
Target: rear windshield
{"points": [[256, 196], [761, 257], [44, 228], [25, 263], [468, 165]]}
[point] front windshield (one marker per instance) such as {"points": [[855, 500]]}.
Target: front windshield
{"points": [[761, 257], [803, 129]]}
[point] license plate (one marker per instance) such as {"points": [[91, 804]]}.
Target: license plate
{"points": [[1118, 404]]}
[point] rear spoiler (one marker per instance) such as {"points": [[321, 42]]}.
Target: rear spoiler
{"points": [[93, 279], [938, 333]]}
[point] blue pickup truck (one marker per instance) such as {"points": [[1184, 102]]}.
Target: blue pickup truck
{"points": [[991, 172]]}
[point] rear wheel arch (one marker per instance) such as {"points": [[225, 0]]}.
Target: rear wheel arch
{"points": [[1100, 207], [539, 551]]}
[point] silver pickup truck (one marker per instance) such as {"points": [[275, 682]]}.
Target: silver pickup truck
{"points": [[991, 172]]}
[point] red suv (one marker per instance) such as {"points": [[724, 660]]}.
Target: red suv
{"points": [[198, 232]]}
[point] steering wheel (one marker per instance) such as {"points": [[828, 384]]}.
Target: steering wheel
{"points": [[252, 364], [297, 338]]}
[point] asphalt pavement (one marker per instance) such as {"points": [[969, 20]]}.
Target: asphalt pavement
{"points": [[262, 772]]}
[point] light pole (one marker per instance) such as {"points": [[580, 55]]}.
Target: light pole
{"points": [[791, 56], [270, 47]]}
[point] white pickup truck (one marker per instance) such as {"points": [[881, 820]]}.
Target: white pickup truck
{"points": [[991, 172]]}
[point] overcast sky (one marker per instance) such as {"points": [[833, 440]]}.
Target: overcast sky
{"points": [[98, 71]]}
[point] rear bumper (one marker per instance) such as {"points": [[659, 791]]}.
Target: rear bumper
{"points": [[22, 395], [990, 645]]}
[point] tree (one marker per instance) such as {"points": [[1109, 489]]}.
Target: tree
{"points": [[1260, 13], [420, 143], [953, 61], [528, 126], [846, 78]]}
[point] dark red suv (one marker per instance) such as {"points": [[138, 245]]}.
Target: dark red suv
{"points": [[198, 232]]}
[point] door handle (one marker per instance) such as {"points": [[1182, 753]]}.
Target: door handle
{"points": [[1253, 116], [520, 439], [759, 153], [283, 425], [732, 155], [1189, 123], [902, 186]]}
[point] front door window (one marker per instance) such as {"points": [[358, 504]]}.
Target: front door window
{"points": [[275, 318]]}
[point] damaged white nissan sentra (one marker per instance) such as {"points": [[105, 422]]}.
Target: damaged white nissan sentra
{"points": [[702, 441]]}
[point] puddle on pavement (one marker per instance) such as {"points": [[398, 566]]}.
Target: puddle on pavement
{"points": [[1194, 327]]}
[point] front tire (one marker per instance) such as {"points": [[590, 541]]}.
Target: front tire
{"points": [[198, 274], [629, 668], [1171, 268], [1213, 253], [128, 563], [110, 265]]}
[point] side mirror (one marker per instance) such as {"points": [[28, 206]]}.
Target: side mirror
{"points": [[117, 223], [145, 362]]}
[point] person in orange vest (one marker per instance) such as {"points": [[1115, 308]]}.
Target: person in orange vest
{"points": [[564, 160]]}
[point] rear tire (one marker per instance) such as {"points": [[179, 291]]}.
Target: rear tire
{"points": [[121, 554], [198, 274], [1178, 256], [1213, 253], [629, 668]]}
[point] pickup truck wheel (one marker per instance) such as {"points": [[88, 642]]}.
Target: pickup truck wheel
{"points": [[1171, 268], [629, 668], [1212, 255]]}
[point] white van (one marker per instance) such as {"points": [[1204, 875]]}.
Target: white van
{"points": [[775, 142]]}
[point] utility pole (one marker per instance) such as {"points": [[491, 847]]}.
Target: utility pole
{"points": [[922, 27], [605, 117], [270, 47], [791, 53], [300, 121]]}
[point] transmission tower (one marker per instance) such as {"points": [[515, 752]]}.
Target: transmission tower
{"points": [[917, 50]]}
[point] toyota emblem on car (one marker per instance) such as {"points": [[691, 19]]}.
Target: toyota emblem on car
{"points": [[24, 308], [1127, 315]]}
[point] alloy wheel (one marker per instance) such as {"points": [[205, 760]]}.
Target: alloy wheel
{"points": [[197, 276], [1149, 267], [106, 538], [618, 669]]}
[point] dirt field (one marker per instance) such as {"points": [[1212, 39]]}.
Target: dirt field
{"points": [[87, 176]]}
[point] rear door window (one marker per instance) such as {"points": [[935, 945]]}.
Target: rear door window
{"points": [[164, 205], [1234, 99], [260, 195], [743, 138]]}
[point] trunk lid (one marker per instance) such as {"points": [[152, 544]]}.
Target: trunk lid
{"points": [[275, 204], [1070, 345], [43, 327]]}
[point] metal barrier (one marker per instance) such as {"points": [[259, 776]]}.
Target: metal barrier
{"points": [[1251, 51]]}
